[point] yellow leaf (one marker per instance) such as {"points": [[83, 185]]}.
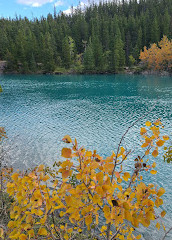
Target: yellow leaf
{"points": [[122, 150], [15, 176], [160, 143], [143, 131], [165, 137], [99, 177], [42, 220], [135, 222], [62, 227], [103, 229], [45, 178], [22, 237], [126, 176], [139, 236], [161, 191], [88, 220], [11, 224], [117, 175], [158, 225], [66, 152], [42, 232], [1, 233], [31, 233], [145, 145], [126, 206], [155, 153], [148, 124], [70, 230], [68, 200], [128, 215], [39, 212], [145, 222], [147, 152], [163, 213], [119, 180], [158, 202], [153, 172], [67, 139], [66, 237], [66, 173], [163, 227], [41, 168], [29, 218], [154, 165], [106, 209], [88, 154]]}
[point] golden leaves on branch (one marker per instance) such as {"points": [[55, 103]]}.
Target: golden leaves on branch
{"points": [[84, 189], [152, 138]]}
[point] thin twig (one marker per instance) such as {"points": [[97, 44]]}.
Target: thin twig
{"points": [[166, 233], [124, 158], [122, 138], [113, 237]]}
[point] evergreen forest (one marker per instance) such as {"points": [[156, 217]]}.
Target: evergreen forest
{"points": [[104, 37]]}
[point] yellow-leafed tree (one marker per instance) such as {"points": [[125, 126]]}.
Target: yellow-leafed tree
{"points": [[158, 56]]}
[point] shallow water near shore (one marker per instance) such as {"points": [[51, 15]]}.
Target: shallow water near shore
{"points": [[38, 110]]}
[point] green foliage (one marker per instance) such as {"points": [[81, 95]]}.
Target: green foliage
{"points": [[132, 60], [66, 52], [89, 62], [117, 30]]}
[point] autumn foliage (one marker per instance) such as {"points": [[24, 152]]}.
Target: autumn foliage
{"points": [[87, 192], [158, 56]]}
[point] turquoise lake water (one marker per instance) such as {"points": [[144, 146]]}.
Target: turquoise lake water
{"points": [[37, 111]]}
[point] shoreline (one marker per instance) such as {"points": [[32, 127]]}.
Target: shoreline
{"points": [[126, 72], [133, 70]]}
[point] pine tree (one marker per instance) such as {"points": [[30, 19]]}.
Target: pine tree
{"points": [[32, 65], [119, 54], [66, 53], [155, 35], [166, 24], [98, 53], [89, 63], [48, 54]]}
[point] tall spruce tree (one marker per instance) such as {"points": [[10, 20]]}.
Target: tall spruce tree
{"points": [[89, 63], [66, 52]]}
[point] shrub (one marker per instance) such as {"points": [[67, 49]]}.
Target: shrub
{"points": [[87, 193]]}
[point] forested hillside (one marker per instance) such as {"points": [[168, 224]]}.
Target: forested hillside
{"points": [[100, 38]]}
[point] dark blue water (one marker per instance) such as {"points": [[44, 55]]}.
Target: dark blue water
{"points": [[37, 111]]}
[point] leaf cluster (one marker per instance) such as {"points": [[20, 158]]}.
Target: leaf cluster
{"points": [[87, 193]]}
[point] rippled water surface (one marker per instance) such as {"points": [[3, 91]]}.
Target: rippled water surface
{"points": [[37, 111]]}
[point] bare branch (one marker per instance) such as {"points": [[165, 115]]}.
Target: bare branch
{"points": [[122, 138], [166, 233]]}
